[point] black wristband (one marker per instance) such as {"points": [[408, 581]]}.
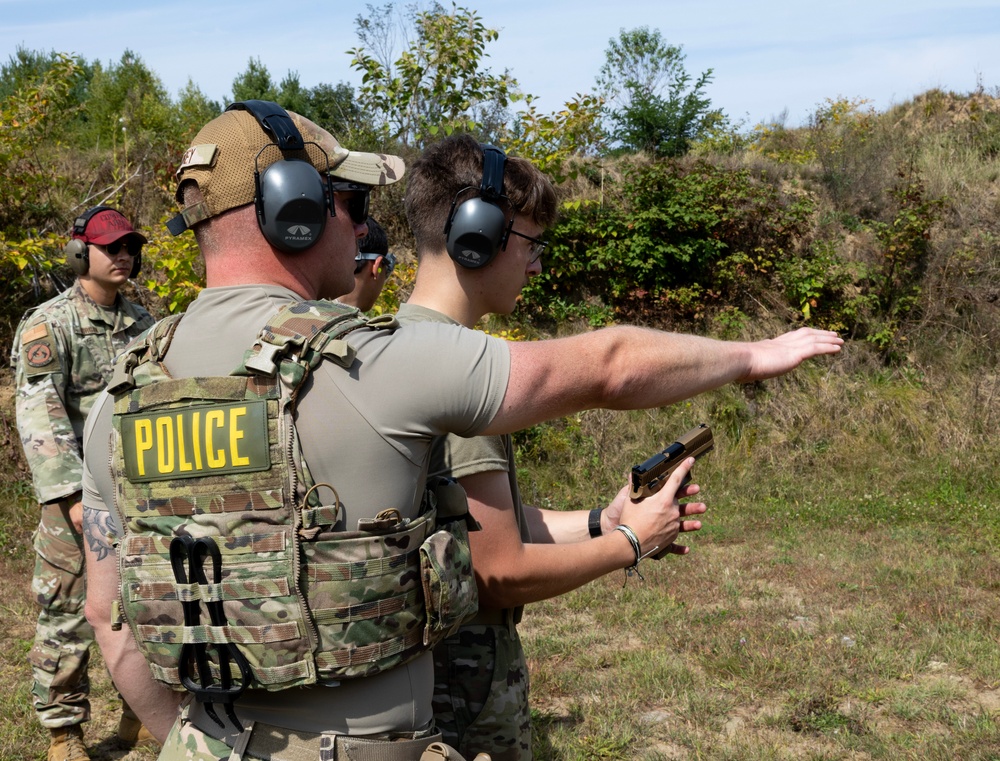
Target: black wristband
{"points": [[594, 522]]}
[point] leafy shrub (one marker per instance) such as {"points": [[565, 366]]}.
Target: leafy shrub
{"points": [[30, 123], [905, 247], [816, 282], [673, 239], [173, 268]]}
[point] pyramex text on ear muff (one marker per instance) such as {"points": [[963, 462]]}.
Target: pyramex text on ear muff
{"points": [[478, 228], [292, 197], [77, 251]]}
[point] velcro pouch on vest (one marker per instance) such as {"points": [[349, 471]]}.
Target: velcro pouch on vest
{"points": [[448, 497], [450, 591]]}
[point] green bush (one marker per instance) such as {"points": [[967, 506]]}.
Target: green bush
{"points": [[672, 238]]}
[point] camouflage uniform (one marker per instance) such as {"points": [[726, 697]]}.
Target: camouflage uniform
{"points": [[62, 355], [481, 693], [480, 674]]}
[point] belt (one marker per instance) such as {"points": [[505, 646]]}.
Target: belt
{"points": [[509, 618], [268, 742], [489, 617]]}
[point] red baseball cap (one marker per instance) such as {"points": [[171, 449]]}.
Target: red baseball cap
{"points": [[106, 227]]}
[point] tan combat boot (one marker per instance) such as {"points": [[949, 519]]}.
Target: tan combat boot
{"points": [[67, 744], [132, 732]]}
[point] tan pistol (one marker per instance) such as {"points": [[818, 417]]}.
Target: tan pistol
{"points": [[649, 476]]}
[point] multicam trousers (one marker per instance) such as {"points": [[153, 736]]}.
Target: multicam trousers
{"points": [[59, 658], [481, 693]]}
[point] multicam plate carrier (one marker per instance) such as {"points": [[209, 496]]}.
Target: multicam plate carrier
{"points": [[218, 457]]}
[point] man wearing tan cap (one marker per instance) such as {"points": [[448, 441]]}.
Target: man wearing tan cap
{"points": [[280, 559]]}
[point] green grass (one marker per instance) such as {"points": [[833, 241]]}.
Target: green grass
{"points": [[810, 630], [840, 603]]}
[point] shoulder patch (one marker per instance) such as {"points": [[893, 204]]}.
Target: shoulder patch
{"points": [[33, 334], [39, 356]]}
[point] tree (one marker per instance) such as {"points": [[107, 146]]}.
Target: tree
{"points": [[130, 134], [128, 96], [336, 109], [436, 85], [293, 96], [31, 120], [549, 140], [27, 68], [192, 110], [255, 83], [36, 190], [652, 103]]}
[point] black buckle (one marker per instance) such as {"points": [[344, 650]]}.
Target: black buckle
{"points": [[274, 120]]}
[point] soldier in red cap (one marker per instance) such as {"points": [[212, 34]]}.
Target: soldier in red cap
{"points": [[62, 355]]}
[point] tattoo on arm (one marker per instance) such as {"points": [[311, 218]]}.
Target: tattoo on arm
{"points": [[96, 530]]}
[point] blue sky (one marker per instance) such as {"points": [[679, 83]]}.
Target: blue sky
{"points": [[768, 57]]}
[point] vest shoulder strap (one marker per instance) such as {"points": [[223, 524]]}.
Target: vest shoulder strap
{"points": [[305, 333], [151, 346]]}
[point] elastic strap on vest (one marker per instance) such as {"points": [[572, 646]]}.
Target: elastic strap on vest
{"points": [[151, 347]]}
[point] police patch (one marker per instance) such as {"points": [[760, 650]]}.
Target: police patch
{"points": [[196, 441]]}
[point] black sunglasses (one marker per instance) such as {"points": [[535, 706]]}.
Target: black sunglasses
{"points": [[133, 247], [388, 261], [357, 200]]}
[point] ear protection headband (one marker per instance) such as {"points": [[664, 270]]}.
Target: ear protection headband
{"points": [[77, 251], [291, 196], [477, 229]]}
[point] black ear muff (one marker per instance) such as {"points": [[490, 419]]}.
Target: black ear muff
{"points": [[77, 256], [292, 198], [136, 266], [477, 229], [291, 205]]}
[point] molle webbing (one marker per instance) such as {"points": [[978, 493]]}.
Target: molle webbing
{"points": [[299, 337], [215, 457]]}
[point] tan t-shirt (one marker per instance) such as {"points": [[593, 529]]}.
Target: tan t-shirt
{"points": [[457, 456], [367, 431]]}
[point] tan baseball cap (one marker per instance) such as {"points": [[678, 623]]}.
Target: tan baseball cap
{"points": [[224, 153]]}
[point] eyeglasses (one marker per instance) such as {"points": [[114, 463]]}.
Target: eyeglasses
{"points": [[356, 201], [389, 260], [133, 247], [537, 249]]}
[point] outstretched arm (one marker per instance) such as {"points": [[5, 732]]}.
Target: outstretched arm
{"points": [[153, 703], [637, 368]]}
